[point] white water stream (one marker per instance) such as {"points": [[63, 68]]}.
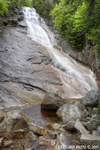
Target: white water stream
{"points": [[77, 80]]}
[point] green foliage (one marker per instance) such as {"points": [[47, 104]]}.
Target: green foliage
{"points": [[43, 7], [78, 20], [14, 3], [3, 7]]}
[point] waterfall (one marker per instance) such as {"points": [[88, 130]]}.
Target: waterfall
{"points": [[77, 80]]}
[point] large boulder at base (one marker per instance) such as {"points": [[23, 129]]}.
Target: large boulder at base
{"points": [[89, 141], [14, 120], [69, 112], [52, 101], [92, 98]]}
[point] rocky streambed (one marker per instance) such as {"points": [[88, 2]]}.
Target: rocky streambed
{"points": [[53, 125]]}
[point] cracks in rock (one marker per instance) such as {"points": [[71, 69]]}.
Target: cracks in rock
{"points": [[41, 59], [35, 71], [24, 80], [34, 86]]}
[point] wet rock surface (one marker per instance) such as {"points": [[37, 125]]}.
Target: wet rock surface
{"points": [[25, 70]]}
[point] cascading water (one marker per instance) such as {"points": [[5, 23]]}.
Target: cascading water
{"points": [[77, 80]]}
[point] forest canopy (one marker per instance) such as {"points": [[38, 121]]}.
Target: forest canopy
{"points": [[78, 20], [5, 5]]}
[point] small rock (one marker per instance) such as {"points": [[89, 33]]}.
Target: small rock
{"points": [[52, 101], [55, 126], [32, 136], [69, 126], [7, 143], [69, 111], [92, 99], [80, 127]]}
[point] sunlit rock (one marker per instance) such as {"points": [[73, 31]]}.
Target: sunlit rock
{"points": [[69, 111]]}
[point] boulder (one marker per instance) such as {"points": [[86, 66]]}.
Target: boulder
{"points": [[14, 120], [80, 127], [69, 112], [89, 140], [52, 101], [92, 98]]}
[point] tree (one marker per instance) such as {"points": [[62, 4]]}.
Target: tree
{"points": [[78, 20], [3, 7]]}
